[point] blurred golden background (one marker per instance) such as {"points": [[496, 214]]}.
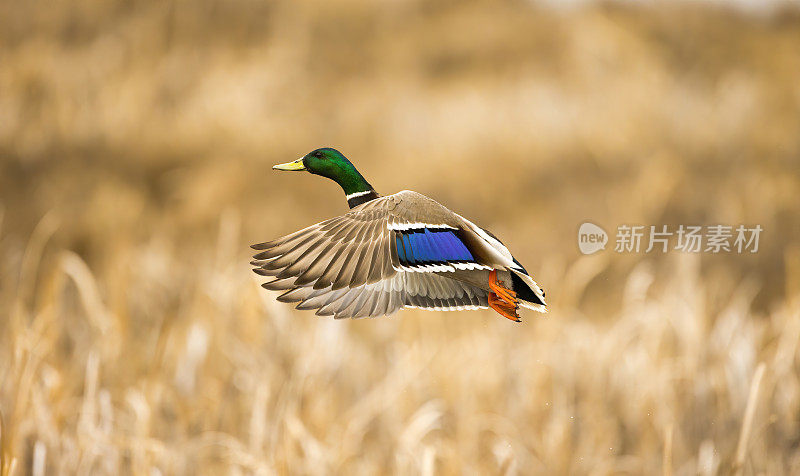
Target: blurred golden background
{"points": [[136, 140]]}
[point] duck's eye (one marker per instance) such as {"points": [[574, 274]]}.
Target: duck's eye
{"points": [[318, 155]]}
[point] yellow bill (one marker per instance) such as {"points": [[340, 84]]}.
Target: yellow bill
{"points": [[296, 165]]}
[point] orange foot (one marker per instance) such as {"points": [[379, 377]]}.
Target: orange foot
{"points": [[502, 299]]}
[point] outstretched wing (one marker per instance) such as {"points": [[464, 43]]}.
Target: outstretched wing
{"points": [[374, 260]]}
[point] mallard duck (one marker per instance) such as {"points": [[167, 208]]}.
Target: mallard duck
{"points": [[391, 252]]}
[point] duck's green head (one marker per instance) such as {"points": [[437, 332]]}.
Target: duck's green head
{"points": [[330, 163]]}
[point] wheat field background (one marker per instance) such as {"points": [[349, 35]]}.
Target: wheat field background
{"points": [[136, 140]]}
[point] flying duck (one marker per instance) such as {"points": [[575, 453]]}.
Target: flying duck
{"points": [[391, 252]]}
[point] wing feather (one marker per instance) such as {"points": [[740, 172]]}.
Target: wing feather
{"points": [[333, 268], [355, 249], [315, 269]]}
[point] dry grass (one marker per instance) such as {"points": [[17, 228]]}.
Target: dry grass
{"points": [[135, 144]]}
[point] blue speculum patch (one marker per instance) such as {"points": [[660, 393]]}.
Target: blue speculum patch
{"points": [[426, 246]]}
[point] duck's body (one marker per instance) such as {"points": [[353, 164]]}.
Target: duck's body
{"points": [[391, 252]]}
